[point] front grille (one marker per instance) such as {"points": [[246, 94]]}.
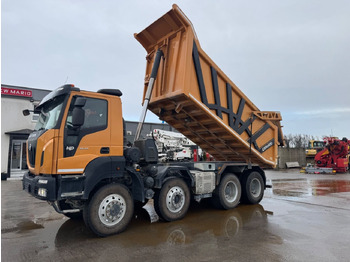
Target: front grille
{"points": [[31, 152], [32, 144], [31, 156]]}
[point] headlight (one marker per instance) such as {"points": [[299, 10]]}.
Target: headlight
{"points": [[42, 192]]}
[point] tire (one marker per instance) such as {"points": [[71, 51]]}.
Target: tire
{"points": [[62, 205], [172, 201], [253, 188], [228, 193], [110, 210]]}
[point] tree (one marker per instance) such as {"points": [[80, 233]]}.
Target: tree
{"points": [[298, 140]]}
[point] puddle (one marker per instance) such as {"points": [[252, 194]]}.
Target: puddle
{"points": [[22, 227], [304, 187], [200, 221], [28, 225]]}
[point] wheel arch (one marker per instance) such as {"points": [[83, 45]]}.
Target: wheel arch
{"points": [[169, 172], [101, 171]]}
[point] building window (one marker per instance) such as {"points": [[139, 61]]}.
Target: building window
{"points": [[18, 155]]}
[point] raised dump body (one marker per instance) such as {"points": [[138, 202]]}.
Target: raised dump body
{"points": [[194, 96]]}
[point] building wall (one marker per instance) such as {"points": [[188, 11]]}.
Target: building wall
{"points": [[12, 119], [291, 155]]}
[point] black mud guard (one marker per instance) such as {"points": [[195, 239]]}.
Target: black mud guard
{"points": [[102, 168], [137, 188], [165, 172]]}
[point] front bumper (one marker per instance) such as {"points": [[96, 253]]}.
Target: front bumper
{"points": [[36, 184]]}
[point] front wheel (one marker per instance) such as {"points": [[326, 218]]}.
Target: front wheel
{"points": [[253, 188], [110, 210], [173, 200], [228, 193]]}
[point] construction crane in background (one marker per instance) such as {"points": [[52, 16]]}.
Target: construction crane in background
{"points": [[172, 146]]}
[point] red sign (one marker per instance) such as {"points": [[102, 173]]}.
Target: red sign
{"points": [[15, 92]]}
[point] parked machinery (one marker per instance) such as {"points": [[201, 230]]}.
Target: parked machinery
{"points": [[335, 155], [313, 148]]}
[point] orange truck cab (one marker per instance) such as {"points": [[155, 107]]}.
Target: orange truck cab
{"points": [[74, 136]]}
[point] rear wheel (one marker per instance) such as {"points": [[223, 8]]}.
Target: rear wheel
{"points": [[172, 201], [228, 193], [253, 188], [110, 210]]}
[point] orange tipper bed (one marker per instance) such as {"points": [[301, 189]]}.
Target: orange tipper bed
{"points": [[194, 96]]}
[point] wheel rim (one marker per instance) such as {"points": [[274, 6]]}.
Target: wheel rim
{"points": [[175, 199], [112, 209], [255, 187], [231, 192]]}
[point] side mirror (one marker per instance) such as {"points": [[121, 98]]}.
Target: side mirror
{"points": [[78, 114], [78, 117], [26, 112]]}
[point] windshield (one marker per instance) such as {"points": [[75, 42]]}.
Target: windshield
{"points": [[49, 113], [318, 144]]}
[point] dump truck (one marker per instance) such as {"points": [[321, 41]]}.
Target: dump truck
{"points": [[81, 164]]}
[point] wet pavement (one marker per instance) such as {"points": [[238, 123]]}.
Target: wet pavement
{"points": [[301, 218]]}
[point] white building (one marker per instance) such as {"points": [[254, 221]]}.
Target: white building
{"points": [[15, 128]]}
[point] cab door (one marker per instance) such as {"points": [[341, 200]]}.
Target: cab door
{"points": [[89, 141]]}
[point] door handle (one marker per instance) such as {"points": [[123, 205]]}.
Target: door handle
{"points": [[104, 150]]}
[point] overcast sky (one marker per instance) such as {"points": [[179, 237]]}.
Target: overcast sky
{"points": [[291, 56]]}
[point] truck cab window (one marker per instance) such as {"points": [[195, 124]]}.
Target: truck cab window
{"points": [[49, 113], [95, 113]]}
